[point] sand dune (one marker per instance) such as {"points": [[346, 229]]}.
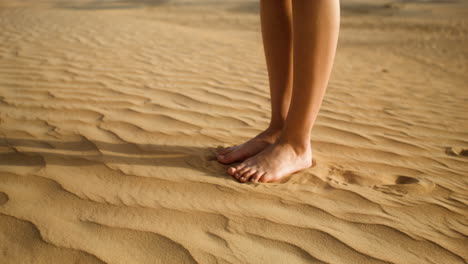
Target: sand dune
{"points": [[110, 113]]}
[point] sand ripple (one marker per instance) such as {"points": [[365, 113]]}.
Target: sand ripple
{"points": [[109, 116]]}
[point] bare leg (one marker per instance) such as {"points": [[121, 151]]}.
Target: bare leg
{"points": [[277, 41], [315, 36]]}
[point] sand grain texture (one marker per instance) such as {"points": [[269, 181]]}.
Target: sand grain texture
{"points": [[110, 113]]}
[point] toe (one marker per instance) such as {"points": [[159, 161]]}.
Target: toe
{"points": [[221, 158], [232, 170], [247, 176], [243, 170], [221, 155], [256, 176], [229, 157], [242, 176], [225, 150], [263, 178]]}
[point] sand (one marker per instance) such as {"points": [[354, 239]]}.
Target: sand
{"points": [[110, 112]]}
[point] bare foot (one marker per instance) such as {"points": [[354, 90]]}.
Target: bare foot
{"points": [[273, 163], [250, 148]]}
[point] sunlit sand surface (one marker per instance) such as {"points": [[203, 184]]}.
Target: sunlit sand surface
{"points": [[110, 112]]}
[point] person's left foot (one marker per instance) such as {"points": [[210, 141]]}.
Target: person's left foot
{"points": [[273, 163], [250, 148]]}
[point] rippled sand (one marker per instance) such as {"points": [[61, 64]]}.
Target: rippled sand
{"points": [[110, 113]]}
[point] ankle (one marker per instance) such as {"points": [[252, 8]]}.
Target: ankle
{"points": [[270, 135], [301, 145], [276, 125], [273, 130]]}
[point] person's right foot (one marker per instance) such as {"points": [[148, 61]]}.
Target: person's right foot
{"points": [[250, 148]]}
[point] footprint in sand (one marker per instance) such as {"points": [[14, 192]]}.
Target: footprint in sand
{"points": [[3, 198], [457, 152], [339, 175], [406, 185], [391, 184], [406, 180]]}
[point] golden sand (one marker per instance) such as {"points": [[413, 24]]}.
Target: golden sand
{"points": [[110, 113]]}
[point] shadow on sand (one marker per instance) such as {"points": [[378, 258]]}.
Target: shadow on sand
{"points": [[73, 153]]}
